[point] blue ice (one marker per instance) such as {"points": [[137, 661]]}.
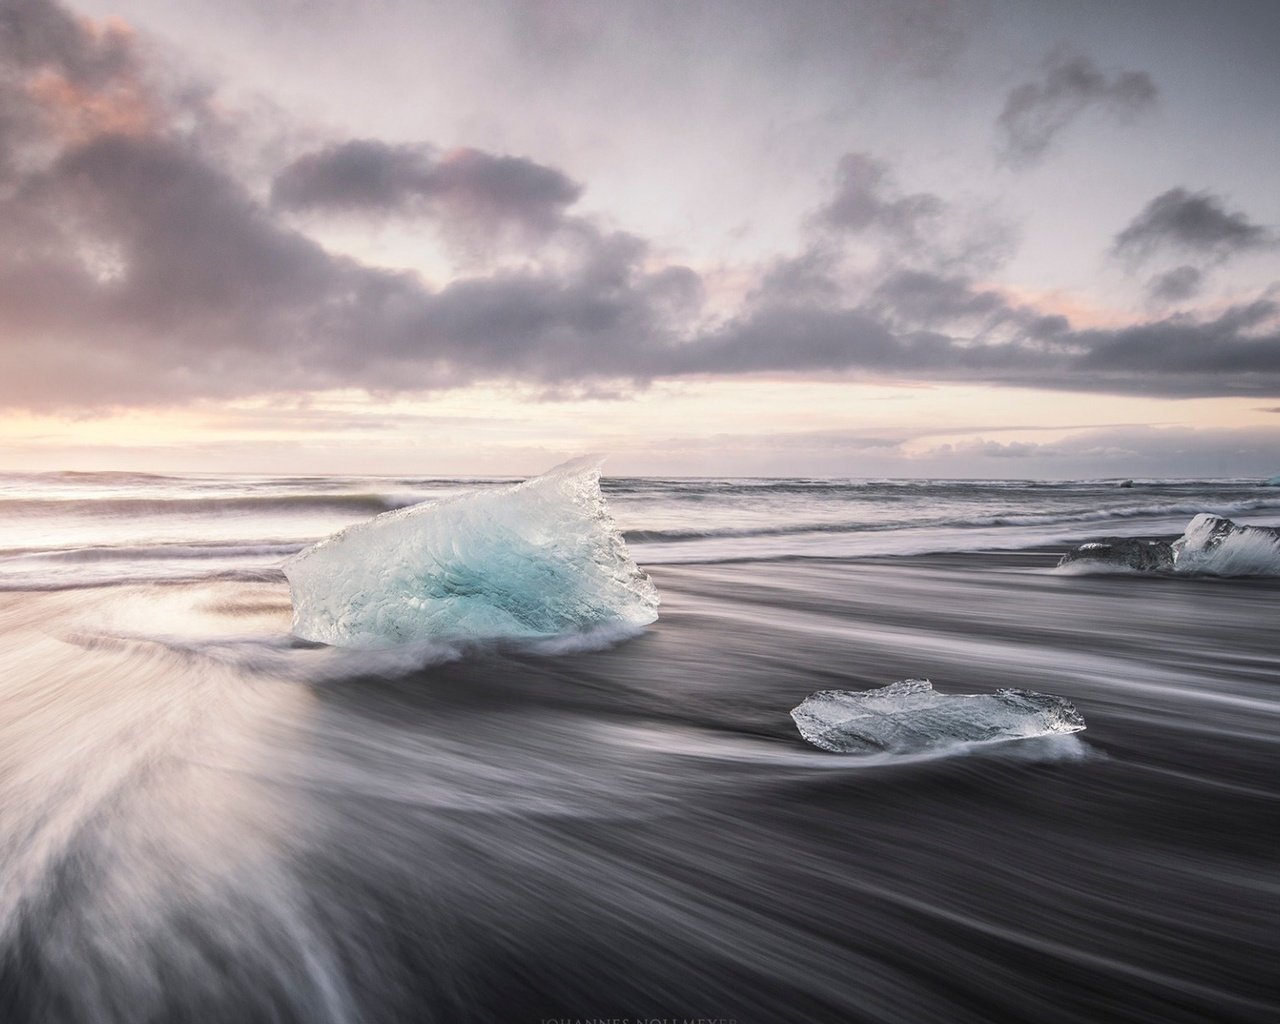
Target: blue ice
{"points": [[532, 560]]}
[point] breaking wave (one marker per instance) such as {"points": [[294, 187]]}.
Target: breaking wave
{"points": [[371, 504], [1008, 519]]}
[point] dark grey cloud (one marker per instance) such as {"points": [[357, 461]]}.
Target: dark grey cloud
{"points": [[43, 47], [1176, 285], [1240, 348], [1190, 222], [927, 299], [1036, 112], [369, 176], [39, 34], [1236, 352], [867, 199], [207, 294], [807, 279], [868, 210]]}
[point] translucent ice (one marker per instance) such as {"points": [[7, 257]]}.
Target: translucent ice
{"points": [[532, 560], [1214, 545], [1211, 545], [1122, 553], [911, 717]]}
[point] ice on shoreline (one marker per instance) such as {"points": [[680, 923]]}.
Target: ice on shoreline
{"points": [[1122, 552], [1210, 545], [532, 560], [909, 716]]}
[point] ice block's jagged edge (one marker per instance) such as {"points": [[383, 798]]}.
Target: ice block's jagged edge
{"points": [[1120, 554], [909, 717], [532, 560], [1216, 546]]}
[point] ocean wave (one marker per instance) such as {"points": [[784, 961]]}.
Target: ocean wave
{"points": [[365, 504], [668, 536], [47, 582], [712, 486], [150, 552]]}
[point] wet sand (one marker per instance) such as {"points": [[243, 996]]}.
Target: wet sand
{"points": [[639, 832]]}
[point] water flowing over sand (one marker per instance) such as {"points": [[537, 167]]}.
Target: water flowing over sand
{"points": [[205, 818]]}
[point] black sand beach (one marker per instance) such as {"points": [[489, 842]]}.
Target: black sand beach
{"points": [[196, 831]]}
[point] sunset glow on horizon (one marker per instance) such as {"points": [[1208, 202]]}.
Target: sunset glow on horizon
{"points": [[976, 240]]}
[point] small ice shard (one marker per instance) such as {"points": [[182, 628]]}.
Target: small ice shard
{"points": [[911, 717], [1272, 482], [1126, 483], [1217, 546], [526, 561], [1122, 553]]}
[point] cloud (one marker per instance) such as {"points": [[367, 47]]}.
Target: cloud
{"points": [[60, 79], [369, 176], [928, 299], [869, 212], [207, 295], [1132, 451], [1239, 349], [1190, 222], [36, 34], [866, 200], [1035, 113], [1236, 352], [998, 449], [137, 268], [1176, 285]]}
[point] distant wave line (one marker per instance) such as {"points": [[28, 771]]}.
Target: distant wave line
{"points": [[1010, 519], [148, 552], [367, 503]]}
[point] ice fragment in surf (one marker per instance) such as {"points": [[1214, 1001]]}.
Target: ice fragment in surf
{"points": [[911, 717], [1211, 545], [536, 559], [1123, 552], [1214, 545]]}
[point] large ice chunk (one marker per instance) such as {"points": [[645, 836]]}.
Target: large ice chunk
{"points": [[1122, 553], [1210, 545], [536, 559], [1214, 545], [910, 717]]}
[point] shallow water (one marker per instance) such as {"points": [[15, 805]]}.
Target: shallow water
{"points": [[203, 820], [86, 529]]}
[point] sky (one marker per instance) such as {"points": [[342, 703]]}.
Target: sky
{"points": [[958, 238]]}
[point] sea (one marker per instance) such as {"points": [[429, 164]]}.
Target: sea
{"points": [[204, 818]]}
